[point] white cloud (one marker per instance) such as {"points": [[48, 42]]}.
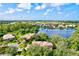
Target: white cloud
{"points": [[43, 6], [24, 5], [58, 8], [77, 3], [47, 11], [1, 13], [10, 11], [17, 9], [28, 11], [38, 7], [57, 4], [59, 12], [0, 5]]}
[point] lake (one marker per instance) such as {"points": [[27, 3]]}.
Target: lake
{"points": [[66, 33]]}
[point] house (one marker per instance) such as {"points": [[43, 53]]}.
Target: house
{"points": [[43, 44], [28, 36], [13, 45], [70, 26], [62, 26], [8, 37]]}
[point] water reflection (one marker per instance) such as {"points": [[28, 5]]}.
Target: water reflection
{"points": [[66, 33]]}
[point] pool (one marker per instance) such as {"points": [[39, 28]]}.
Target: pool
{"points": [[66, 33]]}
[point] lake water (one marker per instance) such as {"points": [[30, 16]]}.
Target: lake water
{"points": [[66, 33]]}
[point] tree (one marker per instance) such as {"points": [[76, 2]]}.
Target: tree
{"points": [[11, 51], [39, 51], [42, 37]]}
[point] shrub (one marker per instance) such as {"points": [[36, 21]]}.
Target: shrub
{"points": [[42, 37], [39, 51]]}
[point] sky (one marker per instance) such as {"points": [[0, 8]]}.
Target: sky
{"points": [[39, 11]]}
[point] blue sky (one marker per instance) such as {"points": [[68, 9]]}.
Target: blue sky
{"points": [[39, 11]]}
